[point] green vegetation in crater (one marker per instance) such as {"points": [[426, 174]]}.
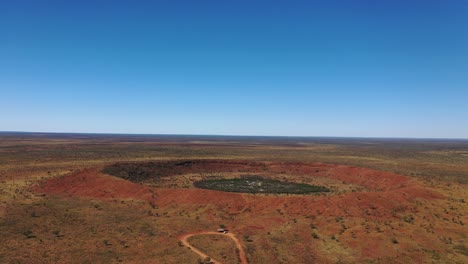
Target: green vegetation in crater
{"points": [[257, 184]]}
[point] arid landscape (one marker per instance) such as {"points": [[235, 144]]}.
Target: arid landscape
{"points": [[96, 198], [234, 132]]}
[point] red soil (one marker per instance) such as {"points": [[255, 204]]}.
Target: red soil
{"points": [[240, 249], [91, 183], [386, 194], [388, 190]]}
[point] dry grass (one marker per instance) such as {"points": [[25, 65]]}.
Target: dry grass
{"points": [[70, 229]]}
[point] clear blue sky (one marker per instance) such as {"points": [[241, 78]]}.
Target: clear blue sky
{"points": [[294, 68]]}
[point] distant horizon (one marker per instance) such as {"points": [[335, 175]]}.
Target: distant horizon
{"points": [[222, 135]]}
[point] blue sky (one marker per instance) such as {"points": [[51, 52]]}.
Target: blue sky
{"points": [[292, 68]]}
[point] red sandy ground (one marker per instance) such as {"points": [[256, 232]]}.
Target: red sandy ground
{"points": [[390, 190], [387, 196], [241, 253]]}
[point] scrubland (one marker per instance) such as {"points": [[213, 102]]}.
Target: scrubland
{"points": [[390, 201]]}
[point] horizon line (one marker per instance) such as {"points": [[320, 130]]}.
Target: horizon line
{"points": [[228, 135]]}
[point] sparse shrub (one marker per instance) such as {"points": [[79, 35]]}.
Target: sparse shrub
{"points": [[461, 249], [28, 234], [409, 219], [56, 233]]}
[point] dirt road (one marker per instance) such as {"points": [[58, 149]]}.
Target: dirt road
{"points": [[242, 257]]}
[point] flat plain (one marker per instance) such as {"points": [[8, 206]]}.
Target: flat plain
{"points": [[96, 198]]}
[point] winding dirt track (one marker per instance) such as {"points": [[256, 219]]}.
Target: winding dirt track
{"points": [[242, 257]]}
